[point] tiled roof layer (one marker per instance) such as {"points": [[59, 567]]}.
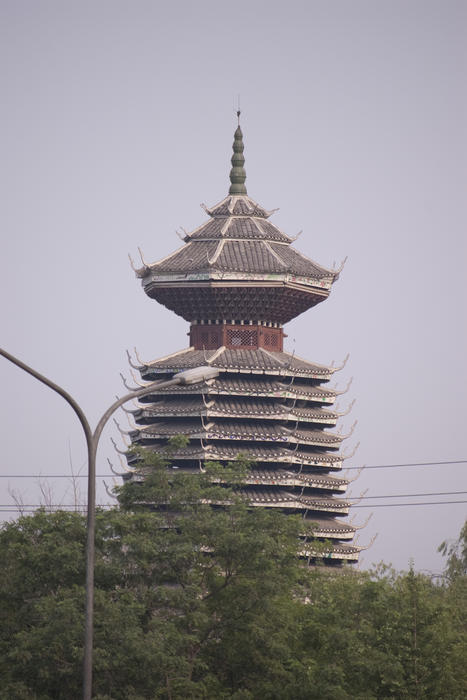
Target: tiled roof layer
{"points": [[225, 359]]}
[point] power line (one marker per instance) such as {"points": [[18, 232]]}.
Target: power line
{"points": [[30, 508], [410, 464], [416, 495], [56, 506], [49, 509], [102, 476], [396, 505], [51, 476], [360, 498]]}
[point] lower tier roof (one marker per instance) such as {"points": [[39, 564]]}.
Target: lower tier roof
{"points": [[247, 431], [332, 528], [258, 361], [282, 499], [215, 406], [266, 407], [340, 552], [245, 385], [270, 454], [271, 477], [288, 500]]}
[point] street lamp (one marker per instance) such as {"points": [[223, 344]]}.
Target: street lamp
{"points": [[189, 376]]}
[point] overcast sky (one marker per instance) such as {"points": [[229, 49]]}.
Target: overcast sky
{"points": [[117, 122]]}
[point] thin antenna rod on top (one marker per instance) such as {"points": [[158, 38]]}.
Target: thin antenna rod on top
{"points": [[237, 110]]}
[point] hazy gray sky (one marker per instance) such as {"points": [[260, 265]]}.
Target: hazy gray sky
{"points": [[117, 121]]}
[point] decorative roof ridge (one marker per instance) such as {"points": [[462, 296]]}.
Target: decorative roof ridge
{"points": [[189, 235], [218, 352], [168, 357], [332, 273], [331, 370], [219, 248], [226, 226], [258, 224], [171, 255], [209, 210], [289, 242], [276, 255], [233, 199], [272, 356], [140, 272], [363, 525], [241, 239], [244, 198]]}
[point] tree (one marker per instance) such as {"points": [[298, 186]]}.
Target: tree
{"points": [[383, 634], [198, 600], [191, 600], [456, 555]]}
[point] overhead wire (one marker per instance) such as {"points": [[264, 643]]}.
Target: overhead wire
{"points": [[31, 507], [367, 466], [411, 464], [398, 505], [416, 495], [6, 508]]}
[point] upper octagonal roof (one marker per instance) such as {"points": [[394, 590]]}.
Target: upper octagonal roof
{"points": [[247, 256], [238, 205], [235, 252], [238, 217], [237, 238]]}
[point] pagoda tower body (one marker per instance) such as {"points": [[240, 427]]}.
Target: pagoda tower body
{"points": [[237, 280]]}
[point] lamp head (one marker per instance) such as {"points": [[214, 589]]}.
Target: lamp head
{"points": [[196, 375]]}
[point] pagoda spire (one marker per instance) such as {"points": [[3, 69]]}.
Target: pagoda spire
{"points": [[238, 174]]}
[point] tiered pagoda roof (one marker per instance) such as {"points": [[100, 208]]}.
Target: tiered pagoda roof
{"points": [[237, 279], [237, 252]]}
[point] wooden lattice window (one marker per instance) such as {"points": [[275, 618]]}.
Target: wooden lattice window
{"points": [[242, 337], [206, 338], [271, 340]]}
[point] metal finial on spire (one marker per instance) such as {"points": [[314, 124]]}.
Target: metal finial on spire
{"points": [[238, 174]]}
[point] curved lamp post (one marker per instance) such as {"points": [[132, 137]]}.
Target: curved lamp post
{"points": [[190, 376]]}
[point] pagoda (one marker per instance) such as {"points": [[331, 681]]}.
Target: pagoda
{"points": [[237, 280]]}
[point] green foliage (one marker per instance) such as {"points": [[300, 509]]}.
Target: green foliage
{"points": [[385, 635], [194, 601], [456, 555]]}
